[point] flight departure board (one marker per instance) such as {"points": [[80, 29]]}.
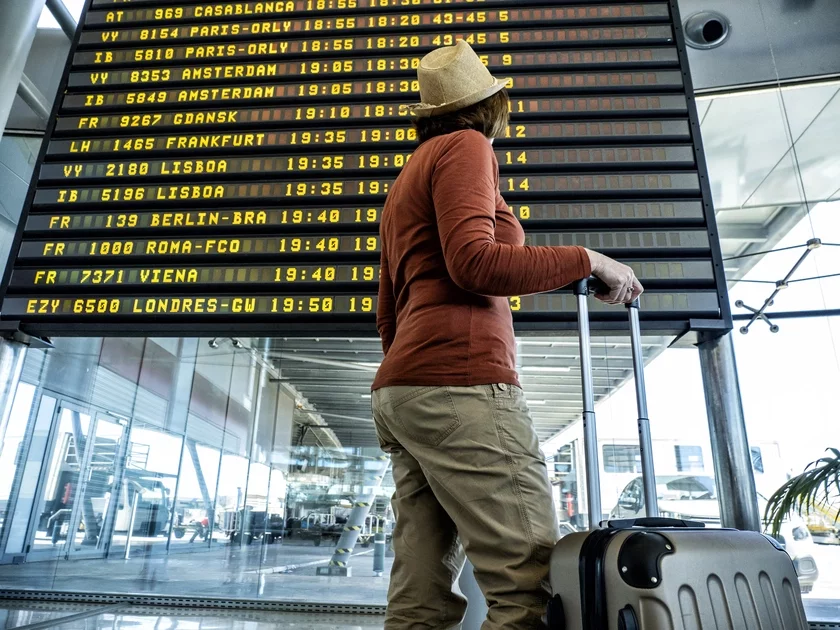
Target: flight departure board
{"points": [[221, 167]]}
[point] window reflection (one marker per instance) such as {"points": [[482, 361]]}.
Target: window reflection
{"points": [[195, 503], [58, 499], [232, 472], [11, 442]]}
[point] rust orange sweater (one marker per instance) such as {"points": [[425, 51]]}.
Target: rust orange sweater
{"points": [[452, 252]]}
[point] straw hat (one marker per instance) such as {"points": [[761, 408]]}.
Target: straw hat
{"points": [[452, 78]]}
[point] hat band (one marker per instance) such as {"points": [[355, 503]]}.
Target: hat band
{"points": [[429, 109]]}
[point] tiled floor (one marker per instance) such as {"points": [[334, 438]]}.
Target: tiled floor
{"points": [[20, 614], [62, 616], [270, 572]]}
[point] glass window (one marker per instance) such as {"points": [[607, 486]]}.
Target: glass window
{"points": [[622, 458], [689, 458], [259, 468], [757, 461], [632, 498], [564, 460], [11, 447], [686, 489], [195, 500], [29, 478]]}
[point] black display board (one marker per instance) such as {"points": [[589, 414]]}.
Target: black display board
{"points": [[218, 168]]}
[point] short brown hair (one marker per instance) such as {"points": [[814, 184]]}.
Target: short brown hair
{"points": [[490, 117]]}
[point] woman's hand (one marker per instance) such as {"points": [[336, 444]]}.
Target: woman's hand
{"points": [[621, 280]]}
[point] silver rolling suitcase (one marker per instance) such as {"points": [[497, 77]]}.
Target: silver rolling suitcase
{"points": [[662, 574]]}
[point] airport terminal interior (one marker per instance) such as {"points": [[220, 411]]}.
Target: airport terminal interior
{"points": [[162, 470]]}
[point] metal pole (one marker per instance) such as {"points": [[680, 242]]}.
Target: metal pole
{"points": [[730, 445], [130, 534], [379, 553], [33, 97], [63, 17], [18, 23], [590, 432], [645, 442]]}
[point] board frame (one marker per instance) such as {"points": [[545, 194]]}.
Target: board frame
{"points": [[603, 323]]}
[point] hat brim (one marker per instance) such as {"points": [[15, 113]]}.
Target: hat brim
{"points": [[424, 109]]}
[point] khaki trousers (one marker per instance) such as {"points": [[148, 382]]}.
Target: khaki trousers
{"points": [[468, 471]]}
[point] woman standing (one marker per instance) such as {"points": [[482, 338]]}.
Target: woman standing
{"points": [[467, 465]]}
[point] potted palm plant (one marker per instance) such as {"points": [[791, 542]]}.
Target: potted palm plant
{"points": [[816, 489]]}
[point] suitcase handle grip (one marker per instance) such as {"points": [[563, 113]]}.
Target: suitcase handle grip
{"points": [[595, 285], [653, 522], [585, 286]]}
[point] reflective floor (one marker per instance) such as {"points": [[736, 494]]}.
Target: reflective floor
{"points": [[70, 617], [29, 615], [286, 572]]}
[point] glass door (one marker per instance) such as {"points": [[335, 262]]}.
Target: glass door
{"points": [[79, 494], [99, 498], [55, 509]]}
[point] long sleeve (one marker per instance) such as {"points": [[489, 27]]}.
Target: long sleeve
{"points": [[386, 318], [464, 188]]}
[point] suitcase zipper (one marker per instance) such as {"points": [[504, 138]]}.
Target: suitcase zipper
{"points": [[593, 582]]}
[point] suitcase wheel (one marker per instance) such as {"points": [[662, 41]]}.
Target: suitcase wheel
{"points": [[627, 619], [555, 614]]}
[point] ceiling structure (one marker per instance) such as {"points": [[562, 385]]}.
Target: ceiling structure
{"points": [[771, 156], [333, 379]]}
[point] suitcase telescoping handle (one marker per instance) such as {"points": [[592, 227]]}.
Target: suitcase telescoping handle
{"points": [[582, 289], [653, 522], [590, 432], [643, 422]]}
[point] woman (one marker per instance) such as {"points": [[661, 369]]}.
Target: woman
{"points": [[447, 404]]}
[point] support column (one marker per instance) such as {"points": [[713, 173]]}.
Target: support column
{"points": [[339, 563], [199, 474], [728, 431], [178, 409], [18, 23], [12, 354]]}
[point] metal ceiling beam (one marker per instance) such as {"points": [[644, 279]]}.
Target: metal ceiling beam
{"points": [[372, 346], [342, 417], [340, 398], [307, 370], [742, 232], [331, 384], [33, 97], [65, 20], [347, 365], [18, 24]]}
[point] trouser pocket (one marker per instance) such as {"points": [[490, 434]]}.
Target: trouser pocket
{"points": [[513, 421], [426, 415]]}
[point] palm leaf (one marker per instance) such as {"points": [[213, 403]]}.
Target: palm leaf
{"points": [[818, 485]]}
